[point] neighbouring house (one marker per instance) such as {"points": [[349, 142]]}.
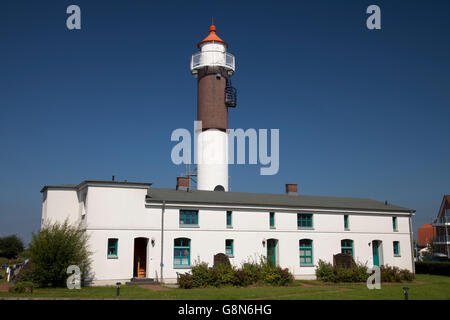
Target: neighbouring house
{"points": [[441, 226], [425, 235]]}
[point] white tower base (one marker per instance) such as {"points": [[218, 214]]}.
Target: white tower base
{"points": [[212, 160]]}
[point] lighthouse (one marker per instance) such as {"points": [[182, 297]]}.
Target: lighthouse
{"points": [[213, 67]]}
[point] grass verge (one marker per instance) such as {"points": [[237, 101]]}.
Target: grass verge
{"points": [[425, 287]]}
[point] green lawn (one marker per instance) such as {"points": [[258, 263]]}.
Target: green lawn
{"points": [[424, 287]]}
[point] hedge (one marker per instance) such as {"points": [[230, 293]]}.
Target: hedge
{"points": [[358, 273], [433, 267], [251, 273], [23, 287]]}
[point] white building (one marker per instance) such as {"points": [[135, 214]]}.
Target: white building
{"points": [[134, 227], [137, 231]]}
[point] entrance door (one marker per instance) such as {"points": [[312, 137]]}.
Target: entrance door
{"points": [[140, 257], [376, 252], [272, 251]]}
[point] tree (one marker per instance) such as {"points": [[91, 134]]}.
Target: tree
{"points": [[431, 249], [10, 246], [54, 249]]}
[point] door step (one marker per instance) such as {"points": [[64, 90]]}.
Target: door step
{"points": [[140, 281]]}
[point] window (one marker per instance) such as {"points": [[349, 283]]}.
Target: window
{"points": [[347, 246], [229, 219], [188, 217], [394, 223], [219, 188], [229, 247], [306, 252], [272, 220], [182, 252], [112, 248], [304, 220], [346, 222], [396, 248]]}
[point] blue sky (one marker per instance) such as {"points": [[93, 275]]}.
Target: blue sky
{"points": [[361, 113]]}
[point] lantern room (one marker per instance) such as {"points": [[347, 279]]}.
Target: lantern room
{"points": [[213, 53]]}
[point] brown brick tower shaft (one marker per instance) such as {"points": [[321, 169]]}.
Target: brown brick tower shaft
{"points": [[211, 108]]}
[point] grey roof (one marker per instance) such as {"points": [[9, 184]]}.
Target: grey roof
{"points": [[106, 182], [269, 200]]}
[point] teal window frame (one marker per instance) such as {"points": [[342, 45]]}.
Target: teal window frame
{"points": [[394, 223], [229, 219], [272, 220], [112, 249], [396, 245], [229, 247], [347, 246], [182, 252], [188, 218], [304, 220], [346, 222], [306, 252]]}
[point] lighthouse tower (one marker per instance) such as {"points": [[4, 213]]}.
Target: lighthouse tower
{"points": [[213, 66]]}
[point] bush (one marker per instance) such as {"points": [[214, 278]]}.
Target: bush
{"points": [[433, 267], [344, 275], [23, 287], [54, 249], [286, 277], [390, 274], [271, 276], [253, 272], [394, 274], [325, 272], [358, 273], [186, 281], [277, 276], [202, 275], [26, 274], [242, 278], [224, 275], [406, 275]]}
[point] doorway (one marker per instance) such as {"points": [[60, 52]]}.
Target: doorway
{"points": [[376, 252], [140, 258], [272, 252]]}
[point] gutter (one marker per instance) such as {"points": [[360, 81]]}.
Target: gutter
{"points": [[186, 205], [412, 244], [162, 240]]}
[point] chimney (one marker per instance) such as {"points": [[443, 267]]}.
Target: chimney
{"points": [[183, 183], [291, 188]]}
